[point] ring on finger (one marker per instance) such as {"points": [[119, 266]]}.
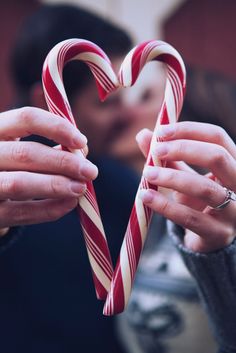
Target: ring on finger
{"points": [[230, 196]]}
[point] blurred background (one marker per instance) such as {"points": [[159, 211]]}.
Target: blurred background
{"points": [[201, 30]]}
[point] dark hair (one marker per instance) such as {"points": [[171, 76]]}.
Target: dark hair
{"points": [[51, 24]]}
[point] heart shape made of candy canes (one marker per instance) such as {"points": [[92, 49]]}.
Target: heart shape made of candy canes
{"points": [[114, 286]]}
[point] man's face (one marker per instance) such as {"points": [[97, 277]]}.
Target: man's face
{"points": [[102, 123]]}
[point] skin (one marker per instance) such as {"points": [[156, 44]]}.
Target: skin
{"points": [[56, 178], [193, 195], [39, 183], [143, 107], [102, 122]]}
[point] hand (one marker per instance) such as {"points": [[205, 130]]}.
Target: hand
{"points": [[193, 195], [39, 183]]}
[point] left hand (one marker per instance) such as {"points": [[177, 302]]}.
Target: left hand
{"points": [[194, 196]]}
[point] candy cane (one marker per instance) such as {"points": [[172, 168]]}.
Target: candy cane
{"points": [[140, 218], [106, 80], [116, 286]]}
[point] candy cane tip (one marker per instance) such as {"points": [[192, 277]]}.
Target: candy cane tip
{"points": [[103, 95], [107, 311]]}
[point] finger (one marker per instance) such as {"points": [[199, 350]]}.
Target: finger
{"points": [[196, 243], [193, 185], [28, 121], [25, 186], [35, 157], [14, 213], [143, 139], [197, 131], [182, 198], [202, 154], [84, 150], [180, 165], [189, 201], [213, 232]]}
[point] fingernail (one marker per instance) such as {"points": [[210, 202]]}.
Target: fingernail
{"points": [[146, 195], [80, 139], [150, 173], [89, 170], [78, 188], [165, 131], [140, 134], [161, 149]]}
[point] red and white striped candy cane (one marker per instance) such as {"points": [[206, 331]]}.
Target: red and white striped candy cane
{"points": [[117, 285], [106, 80], [139, 221]]}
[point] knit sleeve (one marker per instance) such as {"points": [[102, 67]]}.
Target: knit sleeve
{"points": [[215, 274]]}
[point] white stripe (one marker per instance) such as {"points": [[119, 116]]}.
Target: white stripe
{"points": [[100, 274], [141, 217], [54, 69], [170, 103], [101, 62], [125, 272], [89, 210], [95, 250], [126, 69]]}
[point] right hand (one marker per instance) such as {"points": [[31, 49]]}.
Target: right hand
{"points": [[39, 183]]}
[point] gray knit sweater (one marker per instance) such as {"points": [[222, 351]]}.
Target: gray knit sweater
{"points": [[215, 274]]}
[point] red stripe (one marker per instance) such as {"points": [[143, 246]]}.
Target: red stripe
{"points": [[175, 64], [164, 118], [136, 60], [77, 48], [118, 297], [96, 234], [101, 259], [101, 292], [130, 252], [54, 93]]}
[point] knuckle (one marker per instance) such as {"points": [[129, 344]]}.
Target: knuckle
{"points": [[57, 184], [164, 207], [63, 160], [181, 148], [209, 190], [190, 221], [180, 198], [26, 115], [171, 177], [220, 135], [19, 215], [10, 186], [52, 213], [20, 152], [61, 126], [220, 158]]}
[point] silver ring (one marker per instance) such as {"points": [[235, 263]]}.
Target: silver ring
{"points": [[230, 196]]}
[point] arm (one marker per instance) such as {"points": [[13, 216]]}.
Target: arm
{"points": [[215, 274], [207, 241], [39, 183]]}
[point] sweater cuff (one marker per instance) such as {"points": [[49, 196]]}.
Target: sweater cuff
{"points": [[10, 238], [215, 274]]}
